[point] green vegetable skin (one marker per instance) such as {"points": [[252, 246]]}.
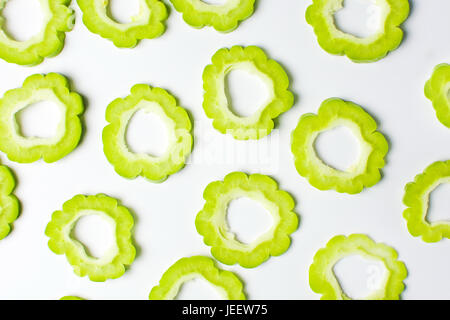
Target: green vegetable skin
{"points": [[72, 298], [217, 106], [437, 90], [113, 263], [58, 19], [320, 15], [223, 17], [211, 222], [52, 87], [148, 24], [417, 196], [131, 165], [185, 269], [9, 205], [374, 147], [323, 280]]}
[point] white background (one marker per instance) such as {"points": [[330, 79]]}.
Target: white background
{"points": [[391, 90]]}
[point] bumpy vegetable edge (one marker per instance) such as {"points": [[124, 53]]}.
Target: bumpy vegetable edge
{"points": [[9, 204], [417, 197], [147, 24], [185, 269], [51, 87], [437, 89], [58, 19], [217, 105], [129, 164], [373, 148], [320, 15], [211, 222], [224, 18], [323, 280], [112, 264]]}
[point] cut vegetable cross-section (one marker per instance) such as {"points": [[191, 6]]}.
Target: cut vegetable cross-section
{"points": [[186, 269], [223, 17], [36, 88], [129, 164], [437, 90], [322, 278], [320, 15], [374, 147], [58, 19], [217, 106], [212, 224], [9, 205], [148, 24], [417, 198], [113, 263]]}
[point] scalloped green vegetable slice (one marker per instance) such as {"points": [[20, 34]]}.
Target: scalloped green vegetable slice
{"points": [[113, 263], [147, 24], [58, 19], [212, 224], [320, 15], [223, 17], [417, 198], [373, 148], [186, 269], [437, 90], [217, 107], [72, 298], [9, 205], [151, 100], [323, 280], [36, 88]]}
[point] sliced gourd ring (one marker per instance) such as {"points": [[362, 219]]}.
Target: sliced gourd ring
{"points": [[58, 19], [437, 90], [217, 106], [9, 205], [320, 15], [212, 224], [373, 148], [186, 269], [36, 88], [223, 17], [129, 164], [417, 198], [148, 24], [113, 263], [322, 279]]}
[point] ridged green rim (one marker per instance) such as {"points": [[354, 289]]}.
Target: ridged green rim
{"points": [[323, 280], [9, 205], [187, 269], [437, 89], [320, 15], [217, 106], [51, 87], [374, 147], [211, 222], [113, 264]]}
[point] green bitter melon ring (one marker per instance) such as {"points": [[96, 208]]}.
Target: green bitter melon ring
{"points": [[212, 224], [129, 164], [417, 197], [113, 263], [373, 145], [186, 269], [58, 19], [223, 17], [36, 88], [323, 280], [9, 205], [148, 24], [71, 298], [320, 15], [217, 106], [437, 90]]}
